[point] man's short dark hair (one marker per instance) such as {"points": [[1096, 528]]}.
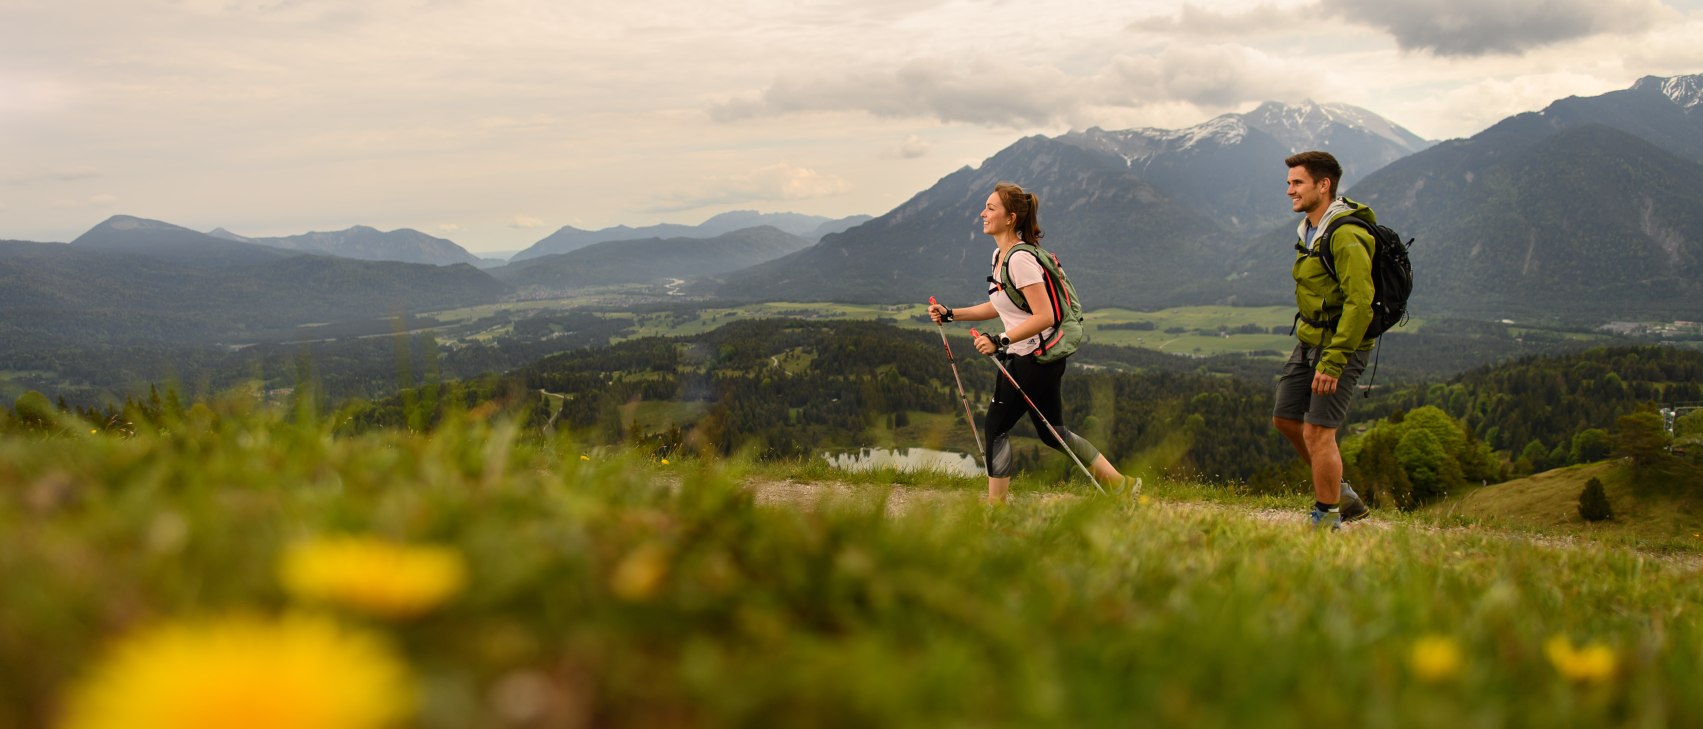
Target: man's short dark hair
{"points": [[1321, 165]]}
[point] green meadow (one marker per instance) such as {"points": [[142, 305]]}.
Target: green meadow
{"points": [[1198, 331], [604, 588]]}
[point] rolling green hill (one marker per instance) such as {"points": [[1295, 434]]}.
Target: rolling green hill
{"points": [[1650, 515]]}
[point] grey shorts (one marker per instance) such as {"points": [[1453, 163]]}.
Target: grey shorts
{"points": [[1295, 398]]}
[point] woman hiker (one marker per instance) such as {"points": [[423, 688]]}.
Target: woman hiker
{"points": [[1011, 217]]}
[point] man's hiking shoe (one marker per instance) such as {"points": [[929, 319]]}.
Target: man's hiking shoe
{"points": [[1129, 488], [1331, 520], [1353, 509]]}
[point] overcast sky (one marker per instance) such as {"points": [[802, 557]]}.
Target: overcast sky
{"points": [[494, 122]]}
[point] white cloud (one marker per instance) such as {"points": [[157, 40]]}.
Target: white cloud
{"points": [[1668, 50], [1195, 21], [67, 174], [1491, 100], [31, 94], [103, 200], [776, 182], [526, 222], [448, 228]]}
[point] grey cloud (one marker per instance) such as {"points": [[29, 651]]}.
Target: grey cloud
{"points": [[1477, 27], [914, 147], [1209, 75]]}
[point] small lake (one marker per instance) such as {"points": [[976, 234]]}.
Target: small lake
{"points": [[906, 459]]}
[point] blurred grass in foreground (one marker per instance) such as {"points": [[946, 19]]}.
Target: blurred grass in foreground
{"points": [[611, 590]]}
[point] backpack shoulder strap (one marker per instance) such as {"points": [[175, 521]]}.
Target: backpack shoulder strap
{"points": [[1323, 250], [1005, 283]]}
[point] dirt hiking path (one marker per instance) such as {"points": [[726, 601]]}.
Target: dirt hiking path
{"points": [[903, 499]]}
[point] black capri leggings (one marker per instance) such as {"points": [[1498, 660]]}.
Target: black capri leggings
{"points": [[1044, 384]]}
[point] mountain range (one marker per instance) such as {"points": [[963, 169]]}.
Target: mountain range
{"points": [[1591, 208], [368, 244], [1209, 164], [569, 238], [932, 244], [1143, 218], [1587, 209], [652, 259], [132, 280]]}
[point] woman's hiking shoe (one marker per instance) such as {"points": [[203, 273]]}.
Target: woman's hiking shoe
{"points": [[1331, 520], [1353, 509], [1129, 488]]}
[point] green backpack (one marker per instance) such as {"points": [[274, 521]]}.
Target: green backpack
{"points": [[1066, 334]]}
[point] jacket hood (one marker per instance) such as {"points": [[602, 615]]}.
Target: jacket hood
{"points": [[1338, 208]]}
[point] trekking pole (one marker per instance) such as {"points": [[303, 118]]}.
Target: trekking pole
{"points": [[1037, 411], [968, 416]]}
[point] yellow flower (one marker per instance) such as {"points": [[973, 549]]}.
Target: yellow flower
{"points": [[664, 461], [1435, 658], [1591, 663], [584, 457], [640, 573], [298, 672], [1144, 500], [372, 575]]}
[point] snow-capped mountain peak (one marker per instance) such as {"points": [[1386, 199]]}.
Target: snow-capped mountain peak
{"points": [[1308, 125], [1684, 91], [1687, 91], [1305, 125]]}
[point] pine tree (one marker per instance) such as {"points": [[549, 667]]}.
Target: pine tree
{"points": [[1593, 502], [1642, 438]]}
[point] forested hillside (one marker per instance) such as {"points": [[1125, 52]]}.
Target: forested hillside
{"points": [[784, 388], [1550, 400]]}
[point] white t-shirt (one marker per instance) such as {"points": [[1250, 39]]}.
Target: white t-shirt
{"points": [[1025, 271]]}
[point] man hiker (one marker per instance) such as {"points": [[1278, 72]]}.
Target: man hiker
{"points": [[1317, 383]]}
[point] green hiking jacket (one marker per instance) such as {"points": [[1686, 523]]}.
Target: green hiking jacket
{"points": [[1349, 296]]}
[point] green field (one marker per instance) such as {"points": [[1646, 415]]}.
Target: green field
{"points": [[1204, 329], [248, 560], [1202, 324]]}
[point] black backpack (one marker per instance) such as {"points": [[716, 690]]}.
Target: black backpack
{"points": [[1392, 273]]}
